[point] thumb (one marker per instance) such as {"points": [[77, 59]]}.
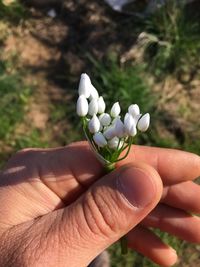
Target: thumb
{"points": [[107, 211]]}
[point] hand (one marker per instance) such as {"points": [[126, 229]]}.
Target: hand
{"points": [[57, 209]]}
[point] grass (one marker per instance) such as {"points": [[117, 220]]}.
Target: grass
{"points": [[13, 98], [13, 12], [175, 45]]}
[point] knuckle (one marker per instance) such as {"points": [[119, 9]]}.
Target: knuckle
{"points": [[102, 218]]}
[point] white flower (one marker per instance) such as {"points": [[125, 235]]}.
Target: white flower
{"points": [[144, 122], [101, 105], [109, 133], [82, 106], [84, 85], [115, 110], [93, 107], [99, 139], [94, 124], [93, 92], [105, 119], [130, 125], [134, 110], [119, 128], [114, 143], [115, 120]]}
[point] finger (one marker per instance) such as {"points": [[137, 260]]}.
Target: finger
{"points": [[174, 166], [107, 211], [69, 171], [185, 196], [175, 222], [147, 243]]}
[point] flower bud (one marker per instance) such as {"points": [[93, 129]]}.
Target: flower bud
{"points": [[99, 139], [93, 107], [134, 110], [115, 110], [94, 124], [105, 119], [114, 143], [82, 106], [93, 92], [109, 133], [115, 120], [119, 128], [84, 85], [101, 105], [144, 122], [130, 125]]}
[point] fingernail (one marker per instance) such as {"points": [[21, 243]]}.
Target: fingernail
{"points": [[136, 186]]}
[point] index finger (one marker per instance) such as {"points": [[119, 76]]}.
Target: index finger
{"points": [[174, 166]]}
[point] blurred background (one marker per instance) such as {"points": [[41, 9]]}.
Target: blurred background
{"points": [[144, 52]]}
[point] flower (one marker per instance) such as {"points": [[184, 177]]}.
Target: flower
{"points": [[130, 125], [119, 128], [144, 122], [84, 85], [93, 107], [115, 110], [109, 133], [82, 106], [105, 119], [134, 110], [115, 143], [99, 139], [93, 92], [94, 124], [101, 105]]}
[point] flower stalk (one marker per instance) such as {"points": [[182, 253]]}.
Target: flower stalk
{"points": [[109, 135]]}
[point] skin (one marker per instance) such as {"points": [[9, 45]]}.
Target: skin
{"points": [[58, 208]]}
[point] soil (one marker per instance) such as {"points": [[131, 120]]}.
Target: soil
{"points": [[53, 52]]}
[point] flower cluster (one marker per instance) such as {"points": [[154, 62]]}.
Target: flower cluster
{"points": [[108, 133]]}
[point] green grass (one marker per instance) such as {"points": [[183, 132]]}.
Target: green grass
{"points": [[13, 98], [175, 47], [13, 12], [124, 84]]}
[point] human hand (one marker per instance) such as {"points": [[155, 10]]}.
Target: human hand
{"points": [[54, 213]]}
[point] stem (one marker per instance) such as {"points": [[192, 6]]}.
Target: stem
{"points": [[128, 150], [110, 167], [124, 246]]}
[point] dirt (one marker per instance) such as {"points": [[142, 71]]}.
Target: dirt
{"points": [[52, 50]]}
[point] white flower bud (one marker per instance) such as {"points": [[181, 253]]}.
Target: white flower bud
{"points": [[114, 143], [109, 133], [119, 128], [105, 119], [115, 110], [144, 122], [101, 105], [99, 139], [93, 93], [93, 107], [115, 120], [134, 110], [94, 124], [82, 106], [84, 85], [130, 125]]}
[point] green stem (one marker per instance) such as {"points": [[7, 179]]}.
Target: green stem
{"points": [[124, 246], [127, 152]]}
